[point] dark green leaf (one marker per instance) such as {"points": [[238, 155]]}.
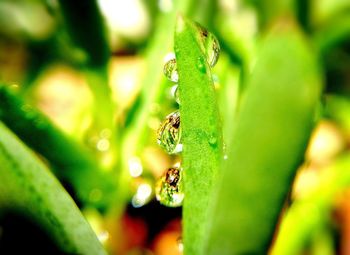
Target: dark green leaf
{"points": [[28, 187]]}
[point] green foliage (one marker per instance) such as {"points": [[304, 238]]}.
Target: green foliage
{"points": [[73, 164], [201, 132], [267, 86], [27, 186], [276, 116], [307, 214]]}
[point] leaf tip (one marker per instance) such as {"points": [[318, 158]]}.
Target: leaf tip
{"points": [[180, 23]]}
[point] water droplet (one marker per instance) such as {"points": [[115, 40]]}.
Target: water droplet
{"points": [[216, 81], [180, 244], [29, 111], [103, 236], [40, 123], [169, 133], [176, 95], [224, 150], [169, 191], [212, 140], [174, 92], [170, 70], [201, 65], [211, 45]]}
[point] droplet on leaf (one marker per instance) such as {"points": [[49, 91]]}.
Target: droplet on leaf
{"points": [[169, 191], [176, 95], [169, 133], [170, 70], [201, 65], [212, 140], [211, 45]]}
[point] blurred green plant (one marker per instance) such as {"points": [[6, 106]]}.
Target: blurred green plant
{"points": [[28, 187], [274, 59]]}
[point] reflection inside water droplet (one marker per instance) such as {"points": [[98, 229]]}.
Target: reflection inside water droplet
{"points": [[170, 70], [211, 45], [169, 191], [169, 133]]}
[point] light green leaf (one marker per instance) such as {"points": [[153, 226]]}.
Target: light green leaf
{"points": [[201, 132]]}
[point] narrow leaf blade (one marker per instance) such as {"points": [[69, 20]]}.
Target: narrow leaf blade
{"points": [[27, 186], [201, 133]]}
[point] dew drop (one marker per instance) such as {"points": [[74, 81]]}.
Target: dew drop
{"points": [[212, 140], [169, 133], [174, 92], [180, 244], [176, 95], [211, 45], [201, 65], [170, 70], [28, 111], [169, 191]]}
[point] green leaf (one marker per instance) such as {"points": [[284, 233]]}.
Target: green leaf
{"points": [[308, 213], [201, 132], [270, 134], [85, 26], [69, 160], [27, 186]]}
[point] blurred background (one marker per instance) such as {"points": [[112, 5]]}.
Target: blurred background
{"points": [[93, 72]]}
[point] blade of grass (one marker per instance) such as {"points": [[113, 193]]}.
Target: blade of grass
{"points": [[85, 27], [270, 10], [305, 215], [70, 161], [201, 133], [270, 133], [27, 186], [152, 84]]}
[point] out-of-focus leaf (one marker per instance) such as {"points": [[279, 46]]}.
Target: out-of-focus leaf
{"points": [[305, 215], [28, 187], [85, 26], [270, 133], [69, 160]]}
